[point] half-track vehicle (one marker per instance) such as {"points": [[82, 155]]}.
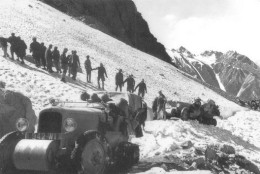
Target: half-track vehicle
{"points": [[80, 137]]}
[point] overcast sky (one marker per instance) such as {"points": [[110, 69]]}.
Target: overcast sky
{"points": [[201, 25]]}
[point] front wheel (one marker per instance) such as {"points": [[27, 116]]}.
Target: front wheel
{"points": [[7, 146], [91, 156]]}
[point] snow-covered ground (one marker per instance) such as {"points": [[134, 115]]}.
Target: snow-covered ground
{"points": [[29, 18]]}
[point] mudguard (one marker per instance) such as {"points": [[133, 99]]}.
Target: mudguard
{"points": [[37, 155]]}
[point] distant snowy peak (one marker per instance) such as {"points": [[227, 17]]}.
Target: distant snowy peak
{"points": [[239, 75], [184, 52], [196, 66]]}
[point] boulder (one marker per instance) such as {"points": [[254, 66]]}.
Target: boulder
{"points": [[211, 153], [15, 105], [227, 149], [246, 164]]}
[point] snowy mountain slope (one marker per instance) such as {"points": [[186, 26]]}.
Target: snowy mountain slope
{"points": [[237, 72], [196, 66], [230, 72], [32, 18]]}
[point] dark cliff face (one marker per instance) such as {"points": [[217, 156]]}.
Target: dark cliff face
{"points": [[118, 18]]}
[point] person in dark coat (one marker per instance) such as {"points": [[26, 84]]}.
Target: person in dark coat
{"points": [[158, 106], [142, 88], [48, 57], [56, 59], [119, 80], [88, 69], [70, 64], [101, 75], [3, 44], [75, 64], [35, 49], [64, 59], [21, 49], [130, 83], [13, 41], [42, 55]]}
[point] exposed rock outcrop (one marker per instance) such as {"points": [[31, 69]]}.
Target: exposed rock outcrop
{"points": [[239, 75], [14, 105], [118, 18]]}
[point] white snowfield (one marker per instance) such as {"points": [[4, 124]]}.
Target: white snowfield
{"points": [[30, 18]]}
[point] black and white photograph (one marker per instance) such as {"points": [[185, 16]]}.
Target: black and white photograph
{"points": [[130, 87]]}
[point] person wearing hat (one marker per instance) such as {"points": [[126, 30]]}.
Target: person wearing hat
{"points": [[35, 49], [64, 59], [142, 88], [130, 83], [101, 75], [48, 57], [119, 80], [88, 68]]}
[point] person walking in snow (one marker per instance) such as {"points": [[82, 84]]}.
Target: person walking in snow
{"points": [[35, 49], [75, 64], [70, 64], [64, 59], [21, 49], [130, 83], [3, 44], [48, 57], [56, 59], [13, 48], [119, 80], [101, 75], [158, 106], [88, 69], [42, 55], [142, 88]]}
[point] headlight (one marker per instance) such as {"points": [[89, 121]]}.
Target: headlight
{"points": [[70, 125], [22, 124]]}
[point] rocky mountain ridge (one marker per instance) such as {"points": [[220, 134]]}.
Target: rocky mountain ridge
{"points": [[118, 18], [232, 72]]}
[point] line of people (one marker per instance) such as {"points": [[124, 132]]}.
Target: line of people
{"points": [[119, 79], [63, 63]]}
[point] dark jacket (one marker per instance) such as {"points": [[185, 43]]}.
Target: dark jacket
{"points": [[48, 55], [13, 41], [56, 56], [88, 65], [130, 82], [75, 61], [64, 61], [142, 87], [42, 51], [101, 71], [35, 48], [119, 78], [3, 42], [21, 49]]}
